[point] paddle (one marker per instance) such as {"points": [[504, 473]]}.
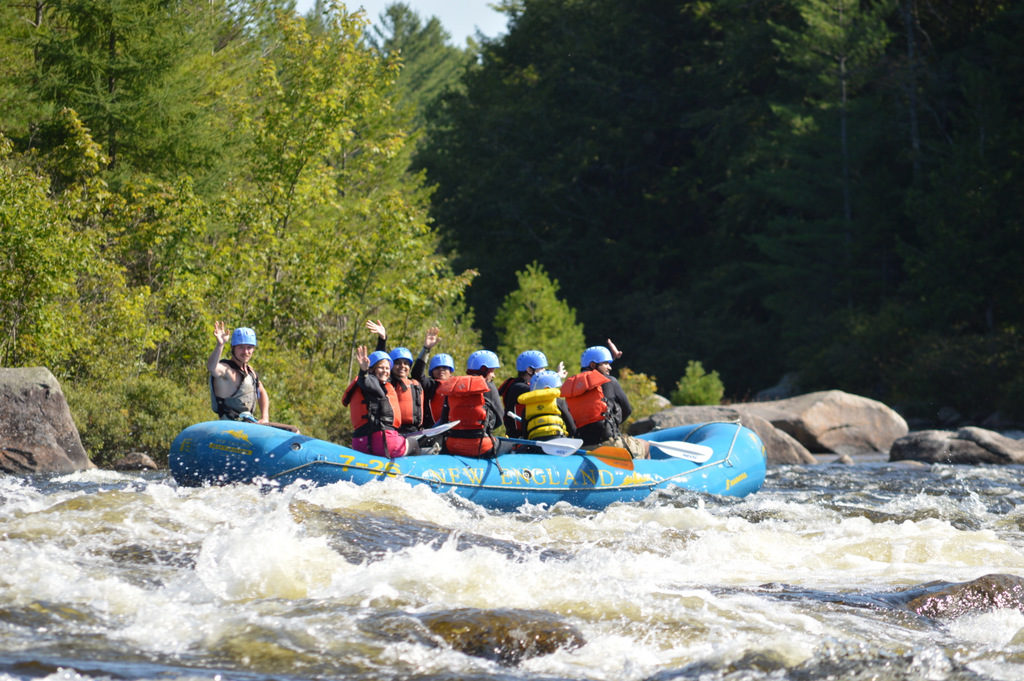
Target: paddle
{"points": [[613, 456], [690, 451], [435, 430], [566, 446], [247, 416], [559, 446]]}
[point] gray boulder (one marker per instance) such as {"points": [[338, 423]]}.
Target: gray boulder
{"points": [[780, 447], [134, 461], [37, 433], [832, 421], [969, 445], [987, 593]]}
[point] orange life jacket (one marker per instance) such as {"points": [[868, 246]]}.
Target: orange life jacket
{"points": [[410, 403], [585, 398], [370, 417], [466, 403]]}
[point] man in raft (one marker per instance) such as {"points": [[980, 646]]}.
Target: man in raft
{"points": [[235, 387], [599, 404]]}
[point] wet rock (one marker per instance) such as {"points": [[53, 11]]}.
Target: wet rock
{"points": [[780, 447], [969, 445], [505, 636], [991, 592], [37, 434], [134, 461]]}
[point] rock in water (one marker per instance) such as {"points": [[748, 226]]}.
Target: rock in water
{"points": [[505, 636], [991, 592], [37, 433]]}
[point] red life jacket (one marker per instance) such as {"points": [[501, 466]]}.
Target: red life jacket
{"points": [[366, 417], [410, 403], [465, 395], [585, 398]]}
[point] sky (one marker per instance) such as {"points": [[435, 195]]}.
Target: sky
{"points": [[461, 18]]}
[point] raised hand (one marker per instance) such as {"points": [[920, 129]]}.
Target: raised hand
{"points": [[363, 357], [432, 337], [377, 327], [616, 353], [220, 332]]}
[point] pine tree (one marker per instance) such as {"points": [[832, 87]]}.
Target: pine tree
{"points": [[430, 66], [146, 77], [533, 317]]}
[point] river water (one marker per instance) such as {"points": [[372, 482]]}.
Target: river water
{"points": [[126, 576]]}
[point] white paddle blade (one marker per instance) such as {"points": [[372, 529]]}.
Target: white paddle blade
{"points": [[684, 450], [438, 429], [561, 446]]}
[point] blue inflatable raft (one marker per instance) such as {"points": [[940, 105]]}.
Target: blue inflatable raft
{"points": [[225, 452]]}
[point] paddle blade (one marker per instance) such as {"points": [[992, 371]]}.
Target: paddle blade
{"points": [[613, 456], [684, 450], [560, 446], [437, 430]]}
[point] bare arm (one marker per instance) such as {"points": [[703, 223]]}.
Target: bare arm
{"points": [[213, 364], [264, 404]]}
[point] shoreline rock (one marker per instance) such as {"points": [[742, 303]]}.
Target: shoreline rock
{"points": [[780, 447], [37, 433], [969, 445], [797, 428]]}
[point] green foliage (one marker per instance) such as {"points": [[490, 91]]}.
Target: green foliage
{"points": [[430, 66], [116, 260], [697, 386], [134, 414], [145, 76], [37, 267], [702, 179], [533, 317], [641, 390]]}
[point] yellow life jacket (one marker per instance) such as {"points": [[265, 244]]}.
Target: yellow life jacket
{"points": [[543, 417]]}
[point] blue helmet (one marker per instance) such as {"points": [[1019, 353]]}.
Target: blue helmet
{"points": [[401, 353], [442, 360], [243, 335], [481, 359], [377, 356], [545, 379], [531, 359], [595, 354]]}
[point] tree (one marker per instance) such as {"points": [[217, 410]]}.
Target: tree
{"points": [[324, 226], [146, 77], [533, 317], [697, 386], [826, 181], [429, 64], [37, 269], [596, 138]]}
